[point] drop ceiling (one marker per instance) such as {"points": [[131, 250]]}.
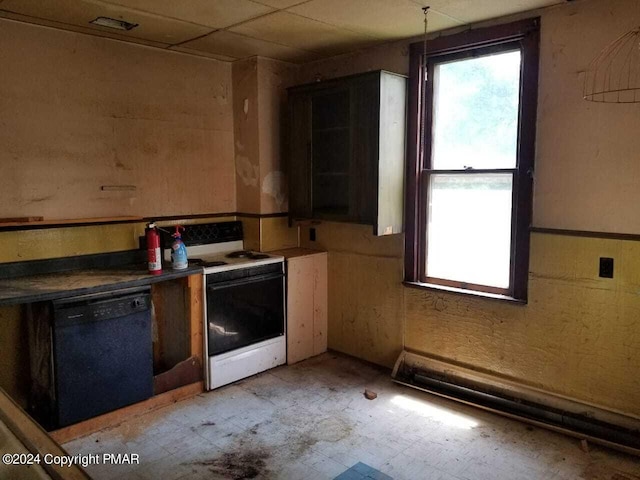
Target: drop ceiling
{"points": [[291, 30]]}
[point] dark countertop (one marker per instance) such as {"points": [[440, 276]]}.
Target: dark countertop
{"points": [[52, 286]]}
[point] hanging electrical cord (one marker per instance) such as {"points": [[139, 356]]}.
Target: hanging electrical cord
{"points": [[423, 83]]}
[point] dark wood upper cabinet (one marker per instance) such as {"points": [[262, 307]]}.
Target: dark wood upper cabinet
{"points": [[347, 150]]}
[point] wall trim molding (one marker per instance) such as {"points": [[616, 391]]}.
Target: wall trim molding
{"points": [[634, 237], [84, 222], [262, 215]]}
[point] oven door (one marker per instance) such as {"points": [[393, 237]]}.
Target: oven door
{"points": [[244, 307]]}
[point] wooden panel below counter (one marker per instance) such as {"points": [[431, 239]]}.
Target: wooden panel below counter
{"points": [[306, 303]]}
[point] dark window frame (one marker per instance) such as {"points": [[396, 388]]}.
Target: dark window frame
{"points": [[525, 35]]}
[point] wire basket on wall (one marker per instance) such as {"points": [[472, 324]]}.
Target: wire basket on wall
{"points": [[614, 75]]}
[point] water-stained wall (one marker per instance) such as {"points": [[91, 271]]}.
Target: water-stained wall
{"points": [[579, 336], [259, 105], [78, 113], [246, 147]]}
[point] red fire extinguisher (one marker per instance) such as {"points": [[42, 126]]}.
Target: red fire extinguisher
{"points": [[153, 249]]}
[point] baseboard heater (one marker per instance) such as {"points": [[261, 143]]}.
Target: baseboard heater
{"points": [[505, 397]]}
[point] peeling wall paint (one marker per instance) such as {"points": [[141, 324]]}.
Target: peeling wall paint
{"points": [[247, 172], [259, 111], [273, 79], [273, 185], [245, 128]]}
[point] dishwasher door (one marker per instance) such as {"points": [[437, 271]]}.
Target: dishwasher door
{"points": [[102, 353]]}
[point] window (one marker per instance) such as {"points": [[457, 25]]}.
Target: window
{"points": [[470, 160]]}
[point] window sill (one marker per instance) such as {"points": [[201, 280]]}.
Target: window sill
{"points": [[461, 291]]}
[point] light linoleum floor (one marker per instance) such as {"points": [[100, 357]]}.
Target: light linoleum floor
{"points": [[311, 421]]}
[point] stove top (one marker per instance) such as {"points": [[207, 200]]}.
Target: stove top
{"points": [[204, 263], [247, 254], [225, 261], [214, 255]]}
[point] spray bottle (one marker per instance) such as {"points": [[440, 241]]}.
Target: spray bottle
{"points": [[178, 251]]}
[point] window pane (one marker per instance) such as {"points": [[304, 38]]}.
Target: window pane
{"points": [[475, 103], [469, 228]]}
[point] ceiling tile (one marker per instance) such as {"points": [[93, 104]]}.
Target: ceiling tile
{"points": [[234, 45], [212, 13], [80, 13], [307, 30], [475, 10], [387, 19], [76, 28], [300, 32], [281, 3], [200, 53]]}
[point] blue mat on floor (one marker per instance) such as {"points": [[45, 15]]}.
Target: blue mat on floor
{"points": [[361, 471]]}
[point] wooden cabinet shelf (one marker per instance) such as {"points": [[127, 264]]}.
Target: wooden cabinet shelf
{"points": [[347, 150]]}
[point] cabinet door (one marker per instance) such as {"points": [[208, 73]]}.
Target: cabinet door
{"points": [[364, 155], [299, 160], [331, 171], [306, 306], [300, 332]]}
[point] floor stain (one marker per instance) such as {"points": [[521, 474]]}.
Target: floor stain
{"points": [[238, 465], [332, 429], [302, 444], [298, 430]]}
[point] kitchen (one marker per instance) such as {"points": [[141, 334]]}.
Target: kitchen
{"points": [[100, 135]]}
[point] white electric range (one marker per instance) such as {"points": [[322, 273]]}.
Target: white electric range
{"points": [[244, 303]]}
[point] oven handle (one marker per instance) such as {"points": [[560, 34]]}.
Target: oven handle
{"points": [[245, 281]]}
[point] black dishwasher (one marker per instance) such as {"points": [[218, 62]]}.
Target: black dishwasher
{"points": [[102, 353]]}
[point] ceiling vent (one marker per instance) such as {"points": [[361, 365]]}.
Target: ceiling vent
{"points": [[113, 23]]}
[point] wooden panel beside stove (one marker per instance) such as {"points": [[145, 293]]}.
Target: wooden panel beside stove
{"points": [[306, 303]]}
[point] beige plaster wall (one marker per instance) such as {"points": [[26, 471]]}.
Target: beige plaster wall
{"points": [[588, 154], [578, 335], [273, 79], [259, 105], [246, 147], [79, 112]]}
